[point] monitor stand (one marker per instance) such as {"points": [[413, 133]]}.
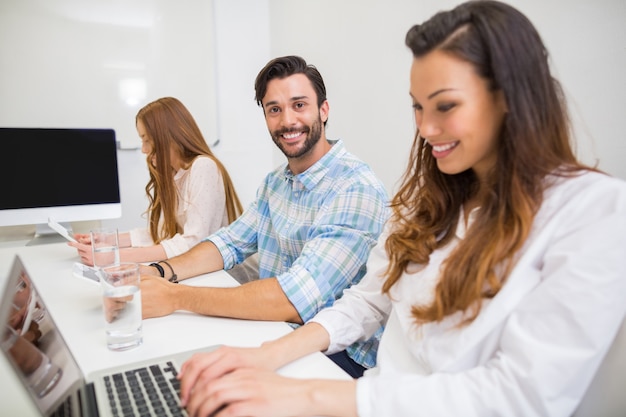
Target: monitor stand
{"points": [[44, 235]]}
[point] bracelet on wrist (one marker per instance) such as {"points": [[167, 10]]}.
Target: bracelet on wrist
{"points": [[159, 268], [174, 277]]}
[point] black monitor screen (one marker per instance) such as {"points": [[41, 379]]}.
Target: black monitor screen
{"points": [[58, 167]]}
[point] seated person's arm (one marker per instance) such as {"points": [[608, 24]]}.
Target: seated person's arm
{"points": [[335, 255], [142, 254], [257, 300], [137, 246], [201, 259], [271, 355], [332, 259], [128, 253]]}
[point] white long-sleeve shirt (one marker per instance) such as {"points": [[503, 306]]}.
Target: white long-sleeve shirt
{"points": [[533, 349], [201, 208]]}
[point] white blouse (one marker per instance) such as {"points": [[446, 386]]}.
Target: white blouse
{"points": [[201, 208], [533, 349]]}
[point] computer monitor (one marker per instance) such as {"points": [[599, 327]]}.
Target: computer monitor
{"points": [[66, 174]]}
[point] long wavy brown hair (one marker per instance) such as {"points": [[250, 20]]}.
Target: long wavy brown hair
{"points": [[171, 128], [505, 49]]}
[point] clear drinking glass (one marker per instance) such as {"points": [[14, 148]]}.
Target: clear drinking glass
{"points": [[121, 298], [105, 247]]}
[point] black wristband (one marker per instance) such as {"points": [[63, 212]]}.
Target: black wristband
{"points": [[174, 277], [159, 268]]}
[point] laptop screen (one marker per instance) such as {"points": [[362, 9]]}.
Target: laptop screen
{"points": [[33, 344]]}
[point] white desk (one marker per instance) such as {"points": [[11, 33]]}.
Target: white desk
{"points": [[76, 306]]}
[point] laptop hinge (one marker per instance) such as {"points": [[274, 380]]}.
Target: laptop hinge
{"points": [[89, 403]]}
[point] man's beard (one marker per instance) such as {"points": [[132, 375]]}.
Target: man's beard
{"points": [[314, 133]]}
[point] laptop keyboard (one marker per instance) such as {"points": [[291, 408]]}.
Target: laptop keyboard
{"points": [[64, 409], [149, 391]]}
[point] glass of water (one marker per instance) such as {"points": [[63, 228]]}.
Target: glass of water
{"points": [[105, 247], [121, 298]]}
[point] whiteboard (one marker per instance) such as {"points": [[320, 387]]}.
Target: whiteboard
{"points": [[78, 64]]}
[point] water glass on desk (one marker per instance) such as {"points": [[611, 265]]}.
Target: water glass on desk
{"points": [[121, 298], [105, 247]]}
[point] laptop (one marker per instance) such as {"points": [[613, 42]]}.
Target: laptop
{"points": [[45, 368]]}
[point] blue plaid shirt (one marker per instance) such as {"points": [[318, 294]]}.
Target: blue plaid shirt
{"points": [[313, 232]]}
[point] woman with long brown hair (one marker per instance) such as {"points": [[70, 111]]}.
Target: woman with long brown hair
{"points": [[500, 276], [190, 192]]}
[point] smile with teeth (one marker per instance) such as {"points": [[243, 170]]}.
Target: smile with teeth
{"points": [[444, 147], [291, 135]]}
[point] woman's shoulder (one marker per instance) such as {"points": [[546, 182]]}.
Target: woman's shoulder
{"points": [[203, 163], [201, 169], [589, 181], [585, 190]]}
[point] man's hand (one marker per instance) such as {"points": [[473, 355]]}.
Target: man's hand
{"points": [[113, 306], [156, 296], [148, 270]]}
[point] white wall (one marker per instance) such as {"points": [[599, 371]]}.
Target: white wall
{"points": [[240, 33], [71, 63], [358, 46], [67, 63], [242, 48]]}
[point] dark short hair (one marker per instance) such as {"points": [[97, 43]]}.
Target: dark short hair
{"points": [[284, 67]]}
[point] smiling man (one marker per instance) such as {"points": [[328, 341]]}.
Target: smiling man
{"points": [[313, 224]]}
